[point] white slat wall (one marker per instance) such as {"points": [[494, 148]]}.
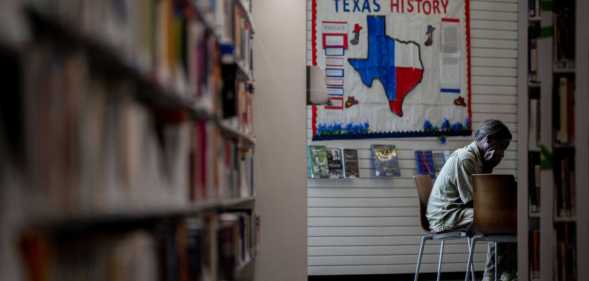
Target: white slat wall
{"points": [[371, 226]]}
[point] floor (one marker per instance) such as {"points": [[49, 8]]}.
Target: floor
{"points": [[449, 276]]}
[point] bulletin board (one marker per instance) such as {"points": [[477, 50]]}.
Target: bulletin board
{"points": [[393, 68]]}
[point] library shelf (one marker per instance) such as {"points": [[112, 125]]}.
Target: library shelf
{"points": [[563, 219], [109, 60], [233, 132], [248, 14], [116, 219], [532, 19], [559, 70]]}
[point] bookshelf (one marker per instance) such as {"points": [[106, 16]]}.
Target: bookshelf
{"points": [[134, 134], [552, 218]]}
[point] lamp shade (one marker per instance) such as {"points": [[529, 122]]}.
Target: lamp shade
{"points": [[317, 89]]}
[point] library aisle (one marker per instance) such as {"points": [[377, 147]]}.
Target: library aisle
{"points": [[279, 140]]}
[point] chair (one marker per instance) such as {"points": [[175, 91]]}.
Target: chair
{"points": [[495, 212], [424, 186]]}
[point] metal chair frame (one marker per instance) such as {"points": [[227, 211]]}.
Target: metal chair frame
{"points": [[424, 186], [442, 237], [489, 238]]}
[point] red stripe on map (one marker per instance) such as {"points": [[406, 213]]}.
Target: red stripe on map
{"points": [[451, 19]]}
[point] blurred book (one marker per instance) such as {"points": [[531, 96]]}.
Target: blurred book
{"points": [[385, 160], [351, 168], [335, 162], [425, 163], [317, 162]]}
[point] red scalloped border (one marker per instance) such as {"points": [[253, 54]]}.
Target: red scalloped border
{"points": [[314, 120], [314, 31], [468, 60]]}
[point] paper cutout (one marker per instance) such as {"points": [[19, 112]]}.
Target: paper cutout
{"points": [[460, 102], [356, 39], [430, 35], [351, 101], [382, 64]]}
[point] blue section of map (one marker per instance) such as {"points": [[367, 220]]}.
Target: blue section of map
{"points": [[380, 63]]}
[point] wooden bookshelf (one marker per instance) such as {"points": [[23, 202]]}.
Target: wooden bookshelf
{"points": [[128, 218], [221, 209], [250, 19], [108, 58], [562, 185]]}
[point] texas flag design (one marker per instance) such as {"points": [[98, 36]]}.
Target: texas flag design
{"points": [[396, 63]]}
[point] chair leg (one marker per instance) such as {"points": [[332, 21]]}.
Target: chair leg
{"points": [[419, 256], [471, 268], [469, 262], [496, 250], [440, 260]]}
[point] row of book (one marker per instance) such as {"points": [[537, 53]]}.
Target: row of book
{"points": [[332, 162], [221, 167], [564, 34], [242, 37], [91, 145], [534, 181], [210, 247], [534, 32], [563, 111], [335, 162], [167, 40], [534, 249], [564, 181], [534, 113], [566, 252], [534, 8]]}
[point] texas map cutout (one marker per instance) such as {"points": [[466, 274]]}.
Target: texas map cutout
{"points": [[395, 63]]}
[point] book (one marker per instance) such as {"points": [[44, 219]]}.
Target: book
{"points": [[351, 163], [534, 31], [424, 162], [534, 181], [317, 162], [534, 123], [534, 8], [535, 253], [335, 162], [385, 159], [562, 134], [440, 158], [564, 111], [566, 257], [564, 167], [564, 33]]}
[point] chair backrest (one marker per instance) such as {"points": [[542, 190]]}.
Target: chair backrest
{"points": [[424, 186], [495, 204]]}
